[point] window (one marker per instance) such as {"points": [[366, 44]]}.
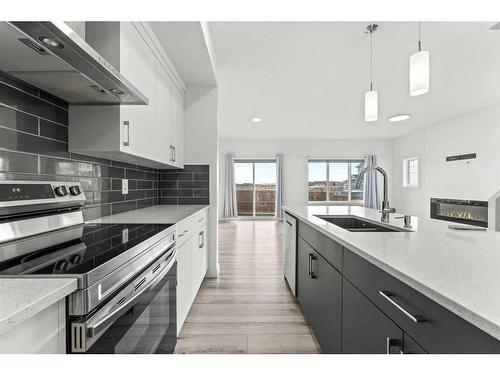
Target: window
{"points": [[410, 172], [334, 180], [255, 182]]}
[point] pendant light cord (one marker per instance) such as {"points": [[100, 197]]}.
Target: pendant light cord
{"points": [[419, 38], [371, 60]]}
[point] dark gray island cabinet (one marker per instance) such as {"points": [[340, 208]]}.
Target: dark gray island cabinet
{"points": [[355, 307]]}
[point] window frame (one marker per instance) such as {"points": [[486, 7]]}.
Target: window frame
{"points": [[406, 172], [349, 162], [253, 161]]}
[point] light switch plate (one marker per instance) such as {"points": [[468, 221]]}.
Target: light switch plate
{"points": [[124, 186], [125, 235]]}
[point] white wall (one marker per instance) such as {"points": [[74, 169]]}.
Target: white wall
{"points": [[201, 147], [477, 132], [295, 156]]}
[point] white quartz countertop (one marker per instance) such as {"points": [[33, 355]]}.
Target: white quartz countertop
{"points": [[159, 214], [457, 269], [23, 298]]}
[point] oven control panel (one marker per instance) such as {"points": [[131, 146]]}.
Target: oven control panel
{"points": [[16, 191]]}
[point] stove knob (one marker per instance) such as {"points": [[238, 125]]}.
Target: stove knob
{"points": [[75, 190], [62, 265], [75, 259], [61, 191]]}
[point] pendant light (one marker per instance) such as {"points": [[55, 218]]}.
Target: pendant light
{"points": [[371, 97], [419, 70]]}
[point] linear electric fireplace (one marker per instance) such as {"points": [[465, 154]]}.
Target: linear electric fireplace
{"points": [[460, 211]]}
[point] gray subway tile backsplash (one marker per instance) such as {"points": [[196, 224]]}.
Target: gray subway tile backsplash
{"points": [[34, 146], [17, 162], [53, 130], [10, 118], [187, 186]]}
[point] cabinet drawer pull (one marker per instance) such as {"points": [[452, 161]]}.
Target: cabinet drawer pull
{"points": [[201, 240], [126, 135], [388, 344], [312, 258], [309, 265], [387, 295]]}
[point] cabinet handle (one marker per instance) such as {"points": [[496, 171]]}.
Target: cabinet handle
{"points": [[202, 240], [172, 153], [387, 295], [312, 258], [388, 344], [126, 137], [309, 265]]}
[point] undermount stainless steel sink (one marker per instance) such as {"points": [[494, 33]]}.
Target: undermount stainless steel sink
{"points": [[353, 224]]}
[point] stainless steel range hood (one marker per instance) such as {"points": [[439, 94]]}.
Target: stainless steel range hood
{"points": [[52, 57]]}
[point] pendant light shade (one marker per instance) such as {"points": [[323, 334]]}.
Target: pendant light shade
{"points": [[371, 106], [419, 70], [419, 73], [371, 96]]}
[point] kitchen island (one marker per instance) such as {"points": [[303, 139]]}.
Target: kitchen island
{"points": [[414, 276]]}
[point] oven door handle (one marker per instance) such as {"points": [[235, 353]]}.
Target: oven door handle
{"points": [[95, 328]]}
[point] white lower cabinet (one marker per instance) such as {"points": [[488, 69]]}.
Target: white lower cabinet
{"points": [[184, 277], [192, 262], [199, 260], [44, 333]]}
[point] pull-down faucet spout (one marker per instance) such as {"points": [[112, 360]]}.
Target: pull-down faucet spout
{"points": [[386, 210]]}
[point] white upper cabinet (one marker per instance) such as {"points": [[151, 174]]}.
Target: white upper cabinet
{"points": [[150, 135], [163, 121], [138, 65], [177, 128]]}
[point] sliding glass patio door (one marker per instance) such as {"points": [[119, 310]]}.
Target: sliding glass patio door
{"points": [[255, 187]]}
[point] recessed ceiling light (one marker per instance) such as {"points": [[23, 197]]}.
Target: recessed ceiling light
{"points": [[401, 117], [256, 119]]}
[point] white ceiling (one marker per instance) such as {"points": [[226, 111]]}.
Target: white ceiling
{"points": [[307, 79]]}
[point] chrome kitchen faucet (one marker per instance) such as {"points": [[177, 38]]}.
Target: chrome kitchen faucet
{"points": [[386, 209]]}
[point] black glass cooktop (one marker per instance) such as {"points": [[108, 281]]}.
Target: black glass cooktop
{"points": [[93, 245]]}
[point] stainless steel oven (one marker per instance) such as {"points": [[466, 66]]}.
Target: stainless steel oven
{"points": [[138, 318], [126, 274]]}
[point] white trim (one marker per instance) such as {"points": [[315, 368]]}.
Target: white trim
{"points": [[253, 161], [335, 203], [406, 183], [328, 202], [205, 29]]}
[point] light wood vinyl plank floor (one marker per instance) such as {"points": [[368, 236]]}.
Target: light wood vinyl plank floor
{"points": [[249, 307]]}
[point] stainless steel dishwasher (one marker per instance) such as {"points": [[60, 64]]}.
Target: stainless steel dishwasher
{"points": [[290, 251]]}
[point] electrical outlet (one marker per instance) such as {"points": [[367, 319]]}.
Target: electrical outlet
{"points": [[125, 235], [124, 186]]}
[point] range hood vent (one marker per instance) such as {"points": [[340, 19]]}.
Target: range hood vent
{"points": [[52, 57]]}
